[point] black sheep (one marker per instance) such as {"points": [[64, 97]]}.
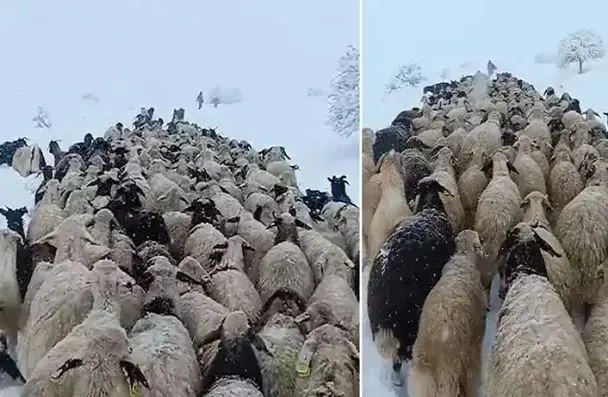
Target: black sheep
{"points": [[14, 219], [203, 211], [393, 137], [47, 174], [140, 225], [235, 357], [338, 189], [315, 200], [404, 272], [56, 151], [81, 148], [521, 254], [415, 167], [8, 149]]}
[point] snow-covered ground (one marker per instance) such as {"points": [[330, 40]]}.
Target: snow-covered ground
{"points": [[436, 44], [128, 54]]}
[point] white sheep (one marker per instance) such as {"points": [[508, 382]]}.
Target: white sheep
{"points": [[445, 174], [163, 350], [13, 278], [498, 210], [446, 357], [93, 359], [582, 228], [392, 207], [565, 182], [52, 315], [284, 267], [529, 176], [200, 243]]}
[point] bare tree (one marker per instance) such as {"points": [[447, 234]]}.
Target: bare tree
{"points": [[406, 76], [579, 47], [343, 98]]}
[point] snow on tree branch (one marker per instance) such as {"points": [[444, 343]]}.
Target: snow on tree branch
{"points": [[343, 98], [407, 76], [579, 47]]}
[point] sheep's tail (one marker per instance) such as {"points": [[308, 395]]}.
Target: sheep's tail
{"points": [[424, 382]]}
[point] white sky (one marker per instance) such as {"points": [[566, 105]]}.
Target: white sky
{"points": [[133, 53]]}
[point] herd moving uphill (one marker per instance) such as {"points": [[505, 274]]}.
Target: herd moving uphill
{"points": [[172, 261], [489, 178]]}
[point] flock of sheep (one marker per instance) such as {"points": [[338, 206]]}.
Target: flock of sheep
{"points": [[172, 261], [489, 178]]}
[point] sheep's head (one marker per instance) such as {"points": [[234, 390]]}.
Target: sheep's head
{"points": [[467, 241], [523, 239], [286, 225], [204, 208], [284, 301], [428, 190], [538, 198], [338, 185], [159, 280], [54, 147], [315, 315]]}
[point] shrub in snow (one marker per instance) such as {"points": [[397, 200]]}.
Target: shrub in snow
{"points": [[579, 47], [343, 98], [408, 76]]}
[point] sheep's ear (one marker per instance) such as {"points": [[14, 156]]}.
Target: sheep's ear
{"points": [[303, 225], [524, 202], [186, 278], [512, 168], [66, 366], [48, 239], [545, 246], [260, 344], [547, 204]]}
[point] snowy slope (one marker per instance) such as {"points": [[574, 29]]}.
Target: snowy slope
{"points": [[514, 56]]}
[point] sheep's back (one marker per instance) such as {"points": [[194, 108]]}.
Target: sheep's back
{"points": [[404, 272], [285, 266], [534, 329]]}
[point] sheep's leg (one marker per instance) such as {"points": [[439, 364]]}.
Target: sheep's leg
{"points": [[396, 375]]}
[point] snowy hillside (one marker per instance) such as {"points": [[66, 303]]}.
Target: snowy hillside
{"points": [[461, 51], [128, 56]]}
